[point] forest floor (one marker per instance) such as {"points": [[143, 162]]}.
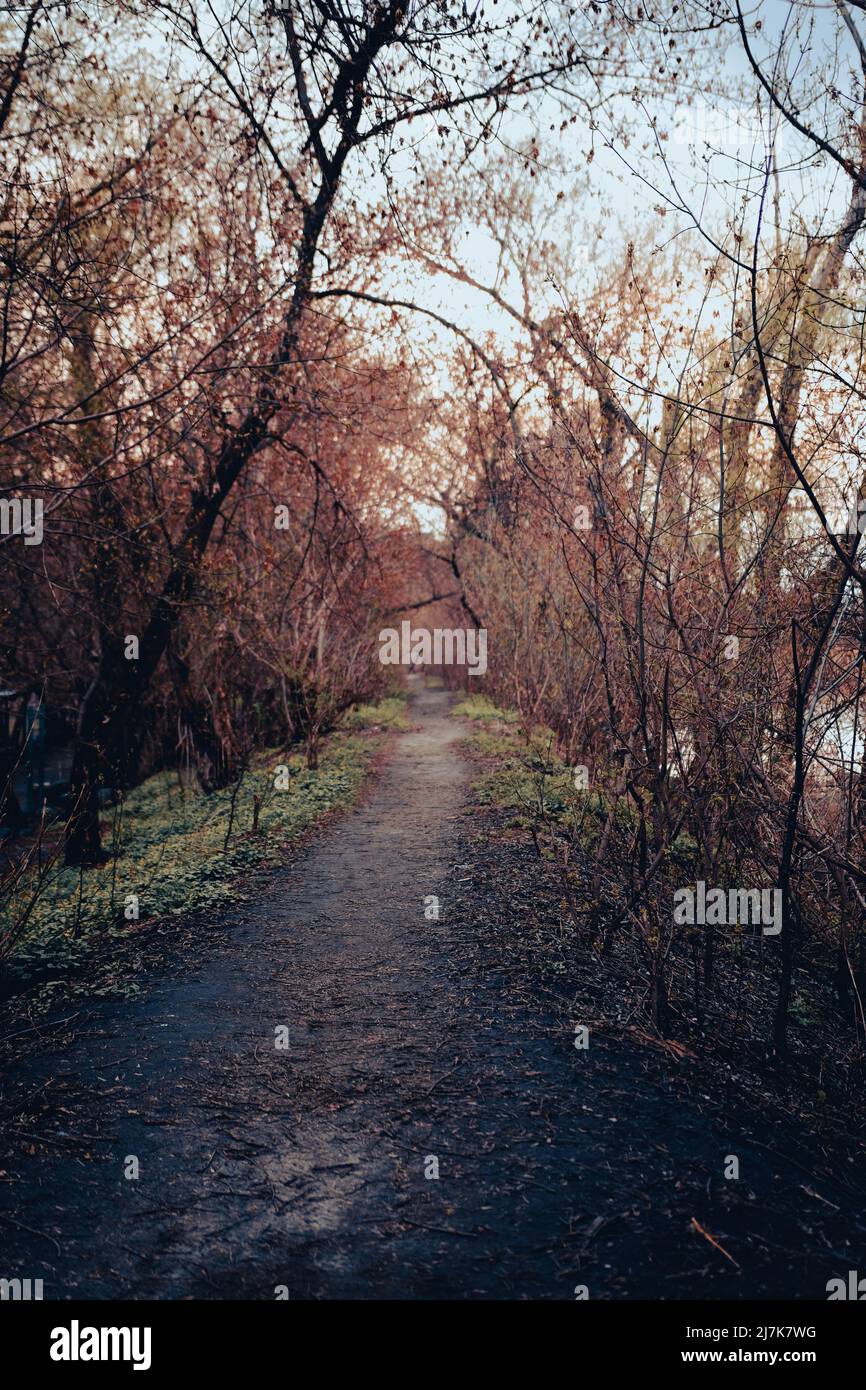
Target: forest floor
{"points": [[413, 1045]]}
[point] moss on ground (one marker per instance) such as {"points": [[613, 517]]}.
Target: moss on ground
{"points": [[522, 771], [180, 852], [389, 713], [479, 707]]}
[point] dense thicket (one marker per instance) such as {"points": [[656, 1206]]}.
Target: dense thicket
{"points": [[231, 376]]}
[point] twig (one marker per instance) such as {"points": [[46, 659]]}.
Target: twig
{"points": [[706, 1235]]}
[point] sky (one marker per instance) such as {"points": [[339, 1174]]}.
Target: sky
{"points": [[611, 178], [715, 133]]}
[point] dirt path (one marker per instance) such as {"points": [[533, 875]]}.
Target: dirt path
{"points": [[307, 1167]]}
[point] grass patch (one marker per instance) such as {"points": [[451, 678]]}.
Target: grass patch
{"points": [[174, 851], [479, 707], [521, 770], [389, 713], [523, 773]]}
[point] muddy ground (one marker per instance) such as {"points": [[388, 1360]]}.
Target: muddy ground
{"points": [[413, 1045]]}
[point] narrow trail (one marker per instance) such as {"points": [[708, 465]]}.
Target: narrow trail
{"points": [[307, 1168]]}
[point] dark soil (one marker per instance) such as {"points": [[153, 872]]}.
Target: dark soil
{"points": [[409, 1041]]}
